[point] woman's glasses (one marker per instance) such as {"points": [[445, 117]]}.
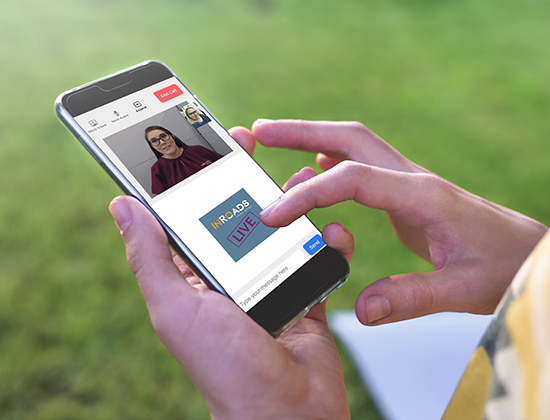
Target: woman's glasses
{"points": [[164, 137]]}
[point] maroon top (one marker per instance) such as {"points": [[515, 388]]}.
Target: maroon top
{"points": [[166, 173]]}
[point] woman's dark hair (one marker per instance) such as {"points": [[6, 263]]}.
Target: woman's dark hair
{"points": [[178, 142]]}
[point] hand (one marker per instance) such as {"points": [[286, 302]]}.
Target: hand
{"points": [[241, 371], [475, 246]]}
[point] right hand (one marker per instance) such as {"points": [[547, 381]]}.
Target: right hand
{"points": [[475, 246]]}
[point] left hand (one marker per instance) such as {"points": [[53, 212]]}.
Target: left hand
{"points": [[241, 371]]}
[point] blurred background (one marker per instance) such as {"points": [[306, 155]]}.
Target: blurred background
{"points": [[460, 87]]}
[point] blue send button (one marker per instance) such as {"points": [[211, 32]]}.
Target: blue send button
{"points": [[314, 244]]}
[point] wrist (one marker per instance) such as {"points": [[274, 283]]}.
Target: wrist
{"points": [[277, 412], [253, 414]]}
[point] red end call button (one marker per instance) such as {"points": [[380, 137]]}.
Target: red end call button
{"points": [[168, 93]]}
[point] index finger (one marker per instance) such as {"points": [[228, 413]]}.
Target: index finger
{"points": [[377, 188], [338, 140], [244, 137]]}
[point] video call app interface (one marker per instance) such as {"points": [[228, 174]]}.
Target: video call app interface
{"points": [[204, 186]]}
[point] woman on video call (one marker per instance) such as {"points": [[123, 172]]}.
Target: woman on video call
{"points": [[176, 161], [196, 118]]}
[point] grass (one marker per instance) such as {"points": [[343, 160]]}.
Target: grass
{"points": [[459, 87]]}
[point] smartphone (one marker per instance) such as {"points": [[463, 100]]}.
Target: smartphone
{"points": [[161, 145]]}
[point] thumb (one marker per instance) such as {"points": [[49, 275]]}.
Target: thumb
{"points": [[412, 295], [147, 250]]}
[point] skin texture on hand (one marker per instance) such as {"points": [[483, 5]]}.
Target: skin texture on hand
{"points": [[475, 246], [241, 371]]}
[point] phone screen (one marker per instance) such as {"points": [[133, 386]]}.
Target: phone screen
{"points": [[203, 185]]}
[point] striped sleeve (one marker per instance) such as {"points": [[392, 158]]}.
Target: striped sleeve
{"points": [[508, 376]]}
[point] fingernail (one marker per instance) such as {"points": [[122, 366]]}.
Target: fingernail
{"points": [[122, 214], [267, 211], [377, 307], [262, 120]]}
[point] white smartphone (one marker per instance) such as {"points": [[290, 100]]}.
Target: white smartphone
{"points": [[162, 145]]}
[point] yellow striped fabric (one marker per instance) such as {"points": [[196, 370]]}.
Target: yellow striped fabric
{"points": [[509, 375]]}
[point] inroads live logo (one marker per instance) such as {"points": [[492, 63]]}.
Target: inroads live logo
{"points": [[236, 225]]}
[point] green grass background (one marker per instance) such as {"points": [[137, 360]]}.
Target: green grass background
{"points": [[461, 87]]}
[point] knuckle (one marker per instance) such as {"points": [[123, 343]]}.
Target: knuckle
{"points": [[355, 173], [441, 192], [422, 297], [354, 176], [431, 180], [354, 169], [357, 128], [134, 261]]}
